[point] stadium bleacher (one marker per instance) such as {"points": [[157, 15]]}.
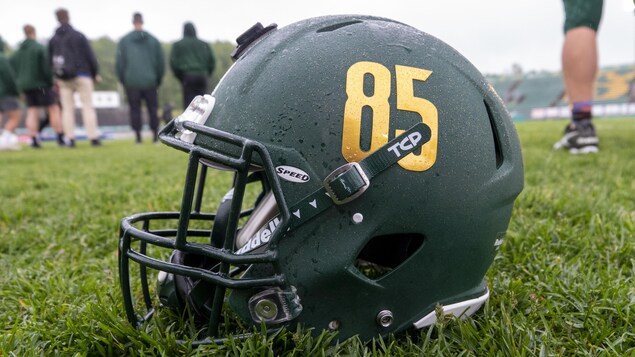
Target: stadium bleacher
{"points": [[541, 96]]}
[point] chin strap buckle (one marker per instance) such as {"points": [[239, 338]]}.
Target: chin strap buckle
{"points": [[346, 183], [351, 180]]}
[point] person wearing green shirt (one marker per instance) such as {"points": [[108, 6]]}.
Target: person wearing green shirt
{"points": [[192, 62], [34, 77], [140, 67], [9, 104]]}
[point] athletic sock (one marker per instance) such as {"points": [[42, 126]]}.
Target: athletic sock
{"points": [[582, 111]]}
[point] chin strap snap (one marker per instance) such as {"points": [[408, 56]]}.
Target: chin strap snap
{"points": [[351, 180], [275, 306]]}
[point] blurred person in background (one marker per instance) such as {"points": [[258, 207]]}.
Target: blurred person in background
{"points": [[192, 62], [34, 78], [140, 66], [9, 104], [76, 69], [579, 69]]}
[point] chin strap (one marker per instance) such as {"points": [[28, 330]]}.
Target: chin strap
{"points": [[345, 183], [349, 181]]}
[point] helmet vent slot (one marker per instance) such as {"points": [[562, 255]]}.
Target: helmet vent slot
{"points": [[338, 26], [384, 254], [497, 144]]}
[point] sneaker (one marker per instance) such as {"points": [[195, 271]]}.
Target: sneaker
{"points": [[95, 142], [70, 143], [9, 141], [35, 143], [579, 138], [60, 140]]}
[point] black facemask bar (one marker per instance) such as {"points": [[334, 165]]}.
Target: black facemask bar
{"points": [[176, 239]]}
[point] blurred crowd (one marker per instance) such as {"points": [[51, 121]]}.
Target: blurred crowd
{"points": [[47, 78]]}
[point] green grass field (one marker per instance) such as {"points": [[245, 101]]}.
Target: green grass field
{"points": [[562, 284]]}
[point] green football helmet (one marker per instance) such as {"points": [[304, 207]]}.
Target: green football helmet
{"points": [[385, 170]]}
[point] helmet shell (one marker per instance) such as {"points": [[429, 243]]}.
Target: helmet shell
{"points": [[293, 91]]}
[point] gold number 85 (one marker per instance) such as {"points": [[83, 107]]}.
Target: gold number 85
{"points": [[378, 102]]}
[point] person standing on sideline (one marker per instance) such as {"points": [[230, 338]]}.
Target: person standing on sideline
{"points": [[579, 69], [34, 78], [140, 67], [75, 67], [192, 62], [9, 104]]}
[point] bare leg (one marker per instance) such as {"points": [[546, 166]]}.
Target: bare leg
{"points": [[579, 63], [32, 124], [8, 139], [55, 118], [13, 120], [579, 68]]}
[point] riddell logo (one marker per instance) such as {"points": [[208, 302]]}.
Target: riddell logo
{"points": [[292, 174], [261, 237], [406, 144]]}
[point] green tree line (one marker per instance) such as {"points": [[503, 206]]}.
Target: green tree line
{"points": [[170, 89]]}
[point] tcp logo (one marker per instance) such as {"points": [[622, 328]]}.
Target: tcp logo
{"points": [[406, 144]]}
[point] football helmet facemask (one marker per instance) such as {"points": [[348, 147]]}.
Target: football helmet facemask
{"points": [[387, 169]]}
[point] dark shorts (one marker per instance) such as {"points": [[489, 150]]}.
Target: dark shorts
{"points": [[582, 13], [9, 104], [41, 97]]}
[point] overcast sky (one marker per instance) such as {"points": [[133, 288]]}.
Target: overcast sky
{"points": [[492, 34]]}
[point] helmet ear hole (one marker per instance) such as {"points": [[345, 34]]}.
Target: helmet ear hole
{"points": [[385, 253]]}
